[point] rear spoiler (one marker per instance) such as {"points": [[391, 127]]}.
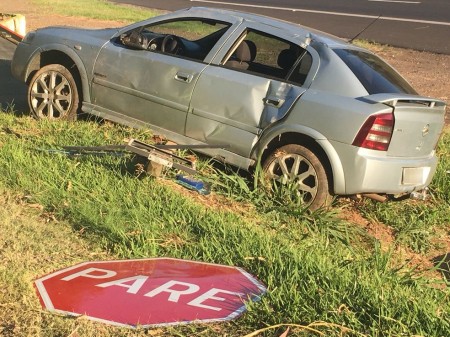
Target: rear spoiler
{"points": [[394, 99]]}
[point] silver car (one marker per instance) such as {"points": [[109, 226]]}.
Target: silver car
{"points": [[319, 113]]}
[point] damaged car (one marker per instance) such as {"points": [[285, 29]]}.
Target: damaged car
{"points": [[322, 114]]}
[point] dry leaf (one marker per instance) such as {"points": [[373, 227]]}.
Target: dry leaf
{"points": [[36, 206]]}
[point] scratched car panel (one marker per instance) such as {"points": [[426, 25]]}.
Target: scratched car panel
{"points": [[320, 113]]}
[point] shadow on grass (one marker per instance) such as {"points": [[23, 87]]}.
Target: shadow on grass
{"points": [[13, 93], [442, 263]]}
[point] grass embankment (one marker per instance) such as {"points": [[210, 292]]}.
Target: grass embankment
{"points": [[316, 267], [95, 9], [59, 210]]}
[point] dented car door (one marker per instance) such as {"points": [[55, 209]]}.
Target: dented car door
{"points": [[232, 108], [235, 100]]}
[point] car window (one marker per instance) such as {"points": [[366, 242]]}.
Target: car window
{"points": [[374, 74], [187, 38], [269, 56], [191, 30]]}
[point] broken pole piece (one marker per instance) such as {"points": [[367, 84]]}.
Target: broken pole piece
{"points": [[154, 169]]}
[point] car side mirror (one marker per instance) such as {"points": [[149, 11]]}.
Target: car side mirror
{"points": [[135, 40]]}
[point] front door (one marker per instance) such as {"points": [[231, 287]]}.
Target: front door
{"points": [[149, 87], [154, 84]]}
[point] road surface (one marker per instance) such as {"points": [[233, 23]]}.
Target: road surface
{"points": [[417, 24]]}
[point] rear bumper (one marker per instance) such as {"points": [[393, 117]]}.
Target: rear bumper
{"points": [[369, 171]]}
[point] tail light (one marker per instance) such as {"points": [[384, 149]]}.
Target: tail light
{"points": [[376, 132]]}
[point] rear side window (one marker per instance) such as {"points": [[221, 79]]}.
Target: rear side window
{"points": [[373, 73]]}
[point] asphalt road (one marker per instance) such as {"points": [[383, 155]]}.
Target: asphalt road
{"points": [[417, 24]]}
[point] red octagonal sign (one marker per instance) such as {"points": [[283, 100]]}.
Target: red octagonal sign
{"points": [[149, 292]]}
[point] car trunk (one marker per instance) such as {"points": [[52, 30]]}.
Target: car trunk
{"points": [[418, 123]]}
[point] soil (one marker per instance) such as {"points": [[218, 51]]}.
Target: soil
{"points": [[428, 73]]}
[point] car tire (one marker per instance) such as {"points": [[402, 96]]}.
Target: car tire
{"points": [[297, 164], [53, 94]]}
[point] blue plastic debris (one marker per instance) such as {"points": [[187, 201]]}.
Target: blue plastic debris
{"points": [[193, 184]]}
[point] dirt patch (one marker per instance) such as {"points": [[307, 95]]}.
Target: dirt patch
{"points": [[381, 232], [35, 19], [422, 264], [428, 73]]}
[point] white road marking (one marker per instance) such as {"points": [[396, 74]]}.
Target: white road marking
{"points": [[397, 1], [386, 18]]}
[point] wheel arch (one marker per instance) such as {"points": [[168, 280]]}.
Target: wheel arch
{"points": [[311, 139], [59, 54]]}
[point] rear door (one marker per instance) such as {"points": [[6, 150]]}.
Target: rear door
{"points": [[237, 98]]}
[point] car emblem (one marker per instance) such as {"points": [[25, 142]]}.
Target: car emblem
{"points": [[425, 130]]}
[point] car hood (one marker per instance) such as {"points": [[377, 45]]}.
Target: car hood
{"points": [[75, 34]]}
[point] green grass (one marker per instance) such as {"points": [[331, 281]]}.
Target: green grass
{"points": [[316, 266], [96, 9], [418, 224], [441, 184], [320, 271]]}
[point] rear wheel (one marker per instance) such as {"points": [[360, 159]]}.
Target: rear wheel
{"points": [[299, 167], [53, 94]]}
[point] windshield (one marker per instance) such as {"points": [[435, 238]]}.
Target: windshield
{"points": [[373, 73]]}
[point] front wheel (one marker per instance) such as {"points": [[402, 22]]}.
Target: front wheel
{"points": [[53, 94], [299, 167]]}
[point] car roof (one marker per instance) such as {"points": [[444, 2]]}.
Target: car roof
{"points": [[293, 29]]}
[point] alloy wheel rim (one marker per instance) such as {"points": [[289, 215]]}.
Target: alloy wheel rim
{"points": [[51, 95], [297, 170]]}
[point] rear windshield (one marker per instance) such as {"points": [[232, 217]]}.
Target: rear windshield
{"points": [[373, 73]]}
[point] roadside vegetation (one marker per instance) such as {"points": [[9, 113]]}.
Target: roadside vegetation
{"points": [[326, 274], [95, 9], [317, 267], [420, 225]]}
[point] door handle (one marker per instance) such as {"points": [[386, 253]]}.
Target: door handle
{"points": [[275, 102], [183, 77]]}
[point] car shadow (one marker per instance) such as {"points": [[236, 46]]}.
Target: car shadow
{"points": [[442, 263], [13, 93]]}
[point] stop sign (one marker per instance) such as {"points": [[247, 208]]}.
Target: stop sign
{"points": [[149, 292]]}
